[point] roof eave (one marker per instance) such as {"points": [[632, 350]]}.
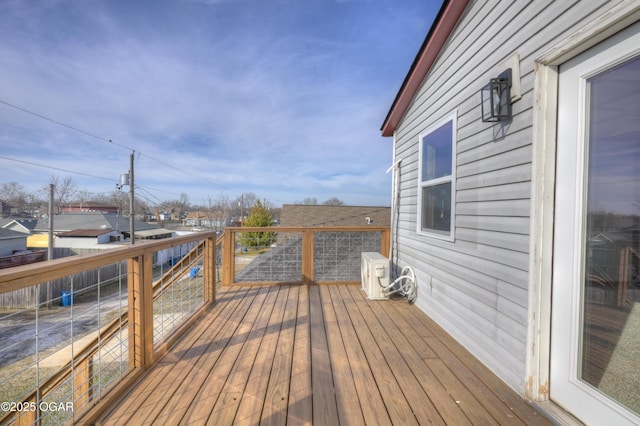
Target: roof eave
{"points": [[443, 25]]}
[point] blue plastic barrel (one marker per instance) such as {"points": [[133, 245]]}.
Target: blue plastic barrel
{"points": [[66, 298], [194, 272]]}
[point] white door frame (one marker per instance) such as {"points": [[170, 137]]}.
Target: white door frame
{"points": [[545, 127], [568, 388]]}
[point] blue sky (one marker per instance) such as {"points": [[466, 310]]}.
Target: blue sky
{"points": [[283, 98]]}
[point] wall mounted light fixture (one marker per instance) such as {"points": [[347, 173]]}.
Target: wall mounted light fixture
{"points": [[496, 98]]}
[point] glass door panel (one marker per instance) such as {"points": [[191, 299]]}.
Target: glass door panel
{"points": [[595, 311], [610, 336]]}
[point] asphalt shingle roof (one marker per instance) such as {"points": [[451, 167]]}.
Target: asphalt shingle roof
{"points": [[7, 234], [321, 215], [91, 220]]}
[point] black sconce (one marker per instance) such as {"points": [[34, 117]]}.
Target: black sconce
{"points": [[496, 98]]}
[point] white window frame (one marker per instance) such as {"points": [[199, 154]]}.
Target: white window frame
{"points": [[453, 118]]}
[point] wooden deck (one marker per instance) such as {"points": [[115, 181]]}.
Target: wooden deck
{"points": [[321, 355]]}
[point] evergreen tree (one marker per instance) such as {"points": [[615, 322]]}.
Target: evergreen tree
{"points": [[260, 216]]}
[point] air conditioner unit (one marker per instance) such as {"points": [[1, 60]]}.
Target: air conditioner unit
{"points": [[374, 270]]}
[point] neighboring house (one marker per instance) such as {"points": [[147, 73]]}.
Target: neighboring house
{"points": [[13, 250], [9, 211], [154, 234], [205, 220], [164, 216], [321, 215], [5, 209], [86, 238], [91, 220], [96, 227], [523, 232], [11, 242], [25, 226], [90, 207]]}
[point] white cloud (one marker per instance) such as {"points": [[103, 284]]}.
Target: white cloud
{"points": [[273, 96]]}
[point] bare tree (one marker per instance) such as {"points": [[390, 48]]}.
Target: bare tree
{"points": [[64, 190], [242, 205], [141, 206], [221, 209], [32, 204], [333, 201], [82, 197], [121, 200], [177, 207], [12, 192], [309, 201], [184, 202]]}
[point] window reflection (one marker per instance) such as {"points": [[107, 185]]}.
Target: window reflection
{"points": [[611, 293], [436, 153], [436, 183], [436, 208]]}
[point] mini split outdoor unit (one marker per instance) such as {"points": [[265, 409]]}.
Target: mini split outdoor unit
{"points": [[375, 271]]}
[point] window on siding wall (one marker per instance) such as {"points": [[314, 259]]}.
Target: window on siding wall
{"points": [[436, 182]]}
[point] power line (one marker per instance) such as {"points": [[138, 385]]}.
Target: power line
{"points": [[149, 200], [103, 139], [56, 168], [181, 170], [60, 123], [100, 138], [31, 163], [158, 200]]}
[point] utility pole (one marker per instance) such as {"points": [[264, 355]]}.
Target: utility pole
{"points": [[50, 243], [127, 179], [131, 200]]}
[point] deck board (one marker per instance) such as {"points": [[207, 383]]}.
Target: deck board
{"points": [[494, 395], [325, 409], [349, 411], [371, 402], [201, 389], [322, 355], [416, 352], [397, 351], [277, 397], [300, 410], [399, 408], [252, 403], [224, 411], [170, 371]]}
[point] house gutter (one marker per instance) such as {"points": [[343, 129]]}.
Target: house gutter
{"points": [[442, 26]]}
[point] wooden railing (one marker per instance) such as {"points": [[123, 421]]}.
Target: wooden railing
{"points": [[306, 255], [137, 320]]}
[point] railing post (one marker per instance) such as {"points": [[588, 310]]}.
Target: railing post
{"points": [[307, 257], [210, 270], [228, 252], [385, 242], [140, 311], [82, 376], [623, 275], [29, 417]]}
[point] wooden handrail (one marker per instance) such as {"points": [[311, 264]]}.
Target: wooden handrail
{"points": [[142, 290], [27, 275], [366, 228], [307, 234], [139, 258], [111, 329]]}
